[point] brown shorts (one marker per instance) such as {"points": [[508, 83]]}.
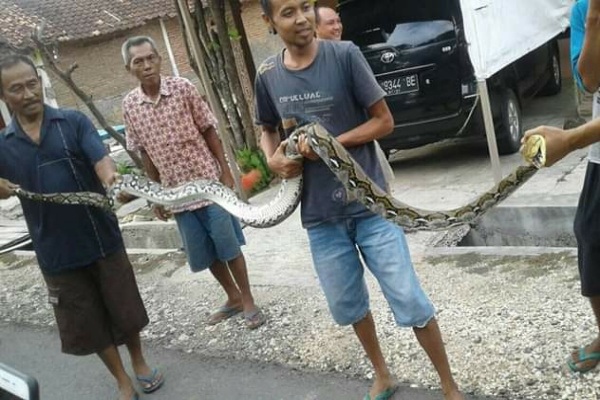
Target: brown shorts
{"points": [[97, 306]]}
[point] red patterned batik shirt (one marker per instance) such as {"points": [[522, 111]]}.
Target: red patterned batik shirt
{"points": [[170, 131]]}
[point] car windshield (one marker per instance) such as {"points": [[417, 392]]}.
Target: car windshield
{"points": [[403, 24]]}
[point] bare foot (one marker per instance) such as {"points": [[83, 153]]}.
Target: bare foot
{"points": [[381, 385], [143, 370], [150, 381], [249, 308], [126, 392], [227, 310], [254, 319]]}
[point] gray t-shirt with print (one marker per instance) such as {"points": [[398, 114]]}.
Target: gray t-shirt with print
{"points": [[335, 91]]}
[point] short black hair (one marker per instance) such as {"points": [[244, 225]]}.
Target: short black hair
{"points": [[266, 7], [13, 59]]}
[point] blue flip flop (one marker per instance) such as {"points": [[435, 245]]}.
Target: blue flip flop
{"points": [[226, 312], [255, 319], [385, 395], [152, 382], [582, 356]]}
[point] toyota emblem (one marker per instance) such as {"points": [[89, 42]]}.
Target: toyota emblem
{"points": [[387, 57]]}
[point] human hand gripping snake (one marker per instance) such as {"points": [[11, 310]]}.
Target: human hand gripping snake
{"points": [[358, 186]]}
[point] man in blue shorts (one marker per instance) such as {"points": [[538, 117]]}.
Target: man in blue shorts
{"points": [[173, 129], [330, 82]]}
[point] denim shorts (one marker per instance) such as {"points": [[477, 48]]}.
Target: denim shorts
{"points": [[209, 234], [336, 247]]}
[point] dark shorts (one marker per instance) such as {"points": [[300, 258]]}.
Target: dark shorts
{"points": [[587, 232], [97, 306]]}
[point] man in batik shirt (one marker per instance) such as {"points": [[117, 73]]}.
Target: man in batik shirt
{"points": [[174, 130]]}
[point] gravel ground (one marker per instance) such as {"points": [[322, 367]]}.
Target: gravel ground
{"points": [[508, 321]]}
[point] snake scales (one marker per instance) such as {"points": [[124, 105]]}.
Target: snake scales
{"points": [[358, 185]]}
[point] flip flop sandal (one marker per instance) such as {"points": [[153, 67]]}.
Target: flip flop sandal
{"points": [[583, 357], [385, 395], [226, 312], [152, 382], [255, 319]]}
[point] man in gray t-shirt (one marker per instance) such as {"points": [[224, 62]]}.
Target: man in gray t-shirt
{"points": [[339, 105], [331, 83]]}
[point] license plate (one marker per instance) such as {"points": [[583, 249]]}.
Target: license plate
{"points": [[400, 85]]}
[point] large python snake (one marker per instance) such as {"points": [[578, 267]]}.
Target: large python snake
{"points": [[358, 186]]}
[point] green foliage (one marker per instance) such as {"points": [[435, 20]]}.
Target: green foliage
{"points": [[124, 169], [249, 159], [214, 46], [234, 34]]}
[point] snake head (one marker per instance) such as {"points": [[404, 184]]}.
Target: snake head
{"points": [[534, 151], [291, 148]]}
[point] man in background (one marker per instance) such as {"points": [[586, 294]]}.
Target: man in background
{"points": [[329, 27], [329, 24]]}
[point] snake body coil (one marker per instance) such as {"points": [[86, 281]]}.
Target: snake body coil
{"points": [[358, 186]]}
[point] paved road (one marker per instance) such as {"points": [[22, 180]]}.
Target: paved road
{"points": [[36, 352]]}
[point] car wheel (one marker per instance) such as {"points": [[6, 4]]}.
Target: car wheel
{"points": [[554, 84], [511, 130]]}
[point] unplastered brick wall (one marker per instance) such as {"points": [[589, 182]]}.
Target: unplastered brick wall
{"points": [[262, 43], [102, 75]]}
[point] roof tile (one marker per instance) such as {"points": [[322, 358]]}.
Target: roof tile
{"points": [[77, 19]]}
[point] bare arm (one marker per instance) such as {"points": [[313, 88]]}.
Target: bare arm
{"points": [[559, 142], [106, 170], [589, 60], [380, 123], [584, 135], [216, 148], [269, 141], [153, 174], [6, 188], [149, 167], [205, 121]]}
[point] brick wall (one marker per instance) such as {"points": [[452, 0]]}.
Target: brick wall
{"points": [[262, 43], [102, 75]]}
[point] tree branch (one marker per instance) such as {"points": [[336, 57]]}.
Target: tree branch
{"points": [[231, 71], [66, 77]]}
